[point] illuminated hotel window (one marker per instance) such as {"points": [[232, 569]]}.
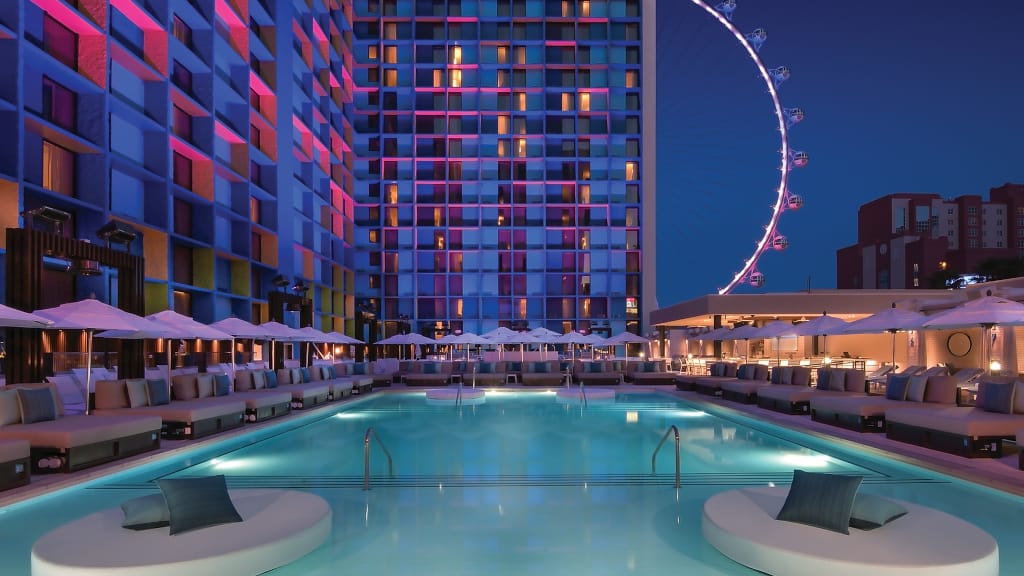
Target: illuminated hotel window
{"points": [[520, 100], [371, 52], [502, 148], [391, 54], [391, 77], [455, 55], [520, 52], [585, 171], [521, 308], [566, 8], [390, 31], [502, 79], [502, 54], [438, 236], [585, 240], [58, 169], [391, 217], [503, 124], [374, 236], [438, 79], [585, 193], [584, 101], [439, 221], [631, 79], [631, 171], [455, 80], [585, 8], [181, 31], [391, 194], [567, 101], [521, 147]]}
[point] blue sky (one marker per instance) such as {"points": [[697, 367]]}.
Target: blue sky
{"points": [[911, 96]]}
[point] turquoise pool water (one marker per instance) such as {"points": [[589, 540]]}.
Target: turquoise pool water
{"points": [[519, 484]]}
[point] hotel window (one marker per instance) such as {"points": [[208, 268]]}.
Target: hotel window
{"points": [[585, 192], [455, 79], [632, 217], [520, 101], [60, 42], [502, 54], [438, 79], [390, 31], [59, 104], [182, 166], [391, 77], [632, 173], [502, 148], [391, 54], [632, 147], [632, 79], [503, 124], [521, 147], [502, 81], [972, 210], [181, 31], [455, 55], [183, 124], [520, 54], [181, 77], [58, 169], [585, 8], [519, 125], [371, 52], [567, 102], [584, 101]]}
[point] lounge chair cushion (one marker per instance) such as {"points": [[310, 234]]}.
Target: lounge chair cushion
{"points": [[221, 385], [36, 405], [824, 379], [896, 388], [271, 378], [485, 368], [10, 409], [429, 368], [941, 390], [821, 500], [837, 380], [137, 392], [916, 388], [870, 512], [998, 397], [801, 376], [183, 387], [145, 512], [204, 385], [259, 379], [156, 392], [305, 374], [1018, 397], [196, 503]]}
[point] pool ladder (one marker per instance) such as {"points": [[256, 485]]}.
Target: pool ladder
{"points": [[568, 383], [654, 457], [370, 433]]}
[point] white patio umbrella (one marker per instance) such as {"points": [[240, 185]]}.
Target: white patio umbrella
{"points": [[313, 336], [281, 332], [745, 333], [627, 338], [521, 338], [572, 339], [14, 318], [91, 315], [468, 339], [186, 327], [239, 328], [823, 325], [984, 312], [891, 320], [777, 329]]}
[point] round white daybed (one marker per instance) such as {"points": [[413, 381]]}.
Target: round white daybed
{"points": [[572, 395], [741, 524], [278, 527], [449, 395]]}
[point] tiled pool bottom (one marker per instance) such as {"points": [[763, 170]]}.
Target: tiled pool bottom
{"points": [[520, 483]]}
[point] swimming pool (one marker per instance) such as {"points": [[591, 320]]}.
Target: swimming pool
{"points": [[520, 483]]}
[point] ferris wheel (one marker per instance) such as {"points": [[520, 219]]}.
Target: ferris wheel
{"points": [[789, 159]]}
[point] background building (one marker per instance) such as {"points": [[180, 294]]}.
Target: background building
{"points": [[921, 240]]}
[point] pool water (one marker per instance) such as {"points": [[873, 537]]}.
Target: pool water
{"points": [[519, 484]]}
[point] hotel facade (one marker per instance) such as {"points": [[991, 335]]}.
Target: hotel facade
{"points": [[376, 165]]}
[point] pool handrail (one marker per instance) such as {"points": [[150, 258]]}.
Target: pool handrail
{"points": [[654, 457], [370, 432]]}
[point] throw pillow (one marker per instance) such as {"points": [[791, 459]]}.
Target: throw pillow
{"points": [[359, 369], [195, 503], [916, 388], [221, 385], [896, 388], [10, 409], [1018, 397], [307, 376], [837, 380], [270, 377], [137, 392], [430, 368], [486, 368], [204, 385], [824, 378], [36, 405], [145, 512], [870, 512], [541, 367], [998, 397], [821, 500], [156, 392]]}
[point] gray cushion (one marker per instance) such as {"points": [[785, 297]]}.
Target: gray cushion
{"points": [[941, 389], [896, 388], [270, 378], [10, 408], [916, 388], [204, 385], [156, 392], [821, 500], [196, 503], [870, 512], [145, 512], [824, 378], [998, 397], [837, 381], [36, 405], [221, 385], [137, 395]]}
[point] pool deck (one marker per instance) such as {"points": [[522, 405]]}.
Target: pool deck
{"points": [[1000, 474]]}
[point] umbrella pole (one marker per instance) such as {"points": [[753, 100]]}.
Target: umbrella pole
{"points": [[167, 343], [893, 332], [88, 368], [233, 369]]}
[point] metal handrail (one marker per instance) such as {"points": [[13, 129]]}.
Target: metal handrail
{"points": [[583, 393], [366, 457], [654, 457]]}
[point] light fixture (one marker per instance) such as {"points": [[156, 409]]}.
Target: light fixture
{"points": [[85, 267], [828, 360], [995, 366], [55, 216], [117, 232], [280, 281], [299, 286]]}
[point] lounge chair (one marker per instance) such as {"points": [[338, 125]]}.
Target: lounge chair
{"points": [[598, 372], [748, 391], [14, 463], [261, 403], [542, 373], [485, 374], [193, 409], [60, 443], [723, 370], [649, 373], [305, 392], [427, 373], [830, 382], [712, 386], [867, 413], [973, 432]]}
